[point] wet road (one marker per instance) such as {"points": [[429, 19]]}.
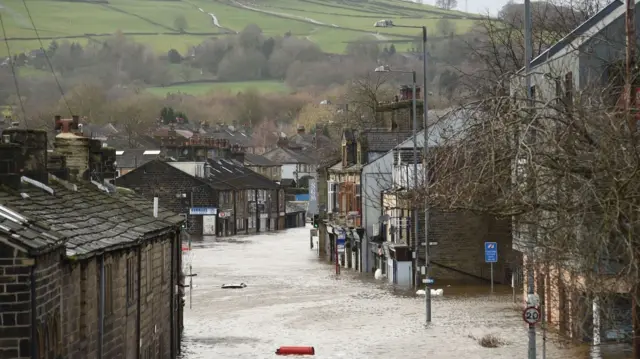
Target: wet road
{"points": [[294, 299]]}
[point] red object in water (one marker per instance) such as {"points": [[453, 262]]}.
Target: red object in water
{"points": [[296, 351]]}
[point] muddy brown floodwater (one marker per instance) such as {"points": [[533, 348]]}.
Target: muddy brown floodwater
{"points": [[292, 298]]}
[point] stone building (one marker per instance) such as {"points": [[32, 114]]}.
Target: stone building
{"points": [[86, 271], [218, 197]]}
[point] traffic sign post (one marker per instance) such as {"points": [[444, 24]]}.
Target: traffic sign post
{"points": [[340, 242], [491, 256], [531, 315]]}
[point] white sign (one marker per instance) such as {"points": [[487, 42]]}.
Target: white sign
{"points": [[531, 315], [222, 214], [203, 211]]}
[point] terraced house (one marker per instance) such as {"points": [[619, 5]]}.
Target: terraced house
{"points": [[345, 192], [86, 271], [205, 180]]}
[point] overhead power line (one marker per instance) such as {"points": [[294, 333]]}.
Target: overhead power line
{"points": [[44, 52], [13, 70]]}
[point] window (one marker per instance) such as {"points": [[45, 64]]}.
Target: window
{"points": [[568, 88], [358, 199], [149, 270], [108, 290], [165, 255], [558, 84], [333, 197], [131, 279]]}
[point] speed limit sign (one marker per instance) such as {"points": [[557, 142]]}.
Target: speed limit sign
{"points": [[531, 315]]}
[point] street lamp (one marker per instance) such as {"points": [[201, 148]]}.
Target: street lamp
{"points": [[389, 23], [386, 68]]}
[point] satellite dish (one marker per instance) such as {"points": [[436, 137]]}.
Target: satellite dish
{"points": [[384, 218]]}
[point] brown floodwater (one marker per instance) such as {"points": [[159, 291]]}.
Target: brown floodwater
{"points": [[292, 298]]}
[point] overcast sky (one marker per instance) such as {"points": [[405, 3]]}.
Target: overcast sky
{"points": [[481, 6]]}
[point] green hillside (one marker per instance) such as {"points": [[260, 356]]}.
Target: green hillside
{"points": [[330, 23]]}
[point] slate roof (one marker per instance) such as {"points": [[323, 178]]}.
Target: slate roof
{"points": [[146, 206], [384, 141], [35, 237], [283, 156], [257, 160], [234, 138], [235, 174], [135, 157], [92, 220], [217, 185]]}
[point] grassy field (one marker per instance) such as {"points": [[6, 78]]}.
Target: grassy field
{"points": [[233, 87], [330, 23]]}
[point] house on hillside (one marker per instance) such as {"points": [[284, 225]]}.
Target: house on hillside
{"points": [[589, 59], [78, 252], [294, 164], [130, 159], [263, 166]]}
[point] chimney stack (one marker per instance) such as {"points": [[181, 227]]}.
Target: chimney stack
{"points": [[24, 153], [75, 148]]}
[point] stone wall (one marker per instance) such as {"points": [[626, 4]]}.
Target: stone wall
{"points": [[155, 178], [459, 254], [48, 279]]}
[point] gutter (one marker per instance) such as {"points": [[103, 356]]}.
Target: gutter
{"points": [[34, 324], [172, 296], [138, 314]]}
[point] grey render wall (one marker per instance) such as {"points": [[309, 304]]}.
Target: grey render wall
{"points": [[607, 46], [375, 177]]}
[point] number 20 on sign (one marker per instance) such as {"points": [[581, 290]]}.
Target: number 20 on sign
{"points": [[531, 315]]}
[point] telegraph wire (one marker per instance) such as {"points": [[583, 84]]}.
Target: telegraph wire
{"points": [[13, 70], [44, 52]]}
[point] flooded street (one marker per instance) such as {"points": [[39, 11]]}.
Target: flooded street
{"points": [[292, 298]]}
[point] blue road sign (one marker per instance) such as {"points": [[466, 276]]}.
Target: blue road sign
{"points": [[430, 281], [340, 241], [490, 252]]}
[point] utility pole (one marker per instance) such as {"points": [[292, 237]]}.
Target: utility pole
{"points": [[528, 55], [425, 170]]}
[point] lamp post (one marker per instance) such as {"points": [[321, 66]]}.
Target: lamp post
{"points": [[425, 148], [414, 126]]}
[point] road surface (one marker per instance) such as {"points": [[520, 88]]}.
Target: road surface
{"points": [[292, 298]]}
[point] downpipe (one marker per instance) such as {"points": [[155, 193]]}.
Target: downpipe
{"points": [[34, 313], [138, 313], [172, 296]]}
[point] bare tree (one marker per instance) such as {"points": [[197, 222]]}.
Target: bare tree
{"points": [[447, 4]]}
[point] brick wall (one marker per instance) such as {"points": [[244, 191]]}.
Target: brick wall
{"points": [[460, 237], [15, 303], [156, 178]]}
